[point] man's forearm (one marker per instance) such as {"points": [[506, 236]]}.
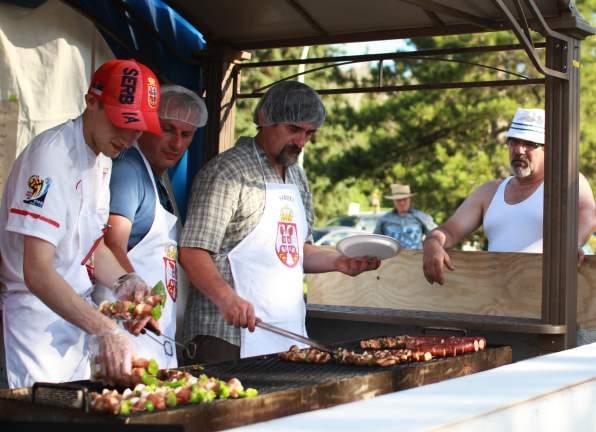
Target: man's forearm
{"points": [[122, 258], [441, 236], [107, 267], [204, 275], [318, 261], [52, 289]]}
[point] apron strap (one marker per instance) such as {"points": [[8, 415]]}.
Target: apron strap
{"points": [[259, 159]]}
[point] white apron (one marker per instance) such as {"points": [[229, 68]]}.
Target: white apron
{"points": [[41, 346], [267, 267], [154, 259]]}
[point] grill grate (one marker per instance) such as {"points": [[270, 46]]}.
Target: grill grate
{"points": [[267, 374], [270, 374]]}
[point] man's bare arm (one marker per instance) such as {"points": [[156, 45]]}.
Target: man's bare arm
{"points": [[464, 222], [587, 216], [204, 275], [45, 283], [117, 238], [318, 261]]}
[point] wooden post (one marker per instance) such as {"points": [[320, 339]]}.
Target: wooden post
{"points": [[218, 135], [561, 190]]}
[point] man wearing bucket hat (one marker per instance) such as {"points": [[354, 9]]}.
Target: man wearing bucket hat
{"points": [[54, 215], [511, 210], [143, 235], [405, 223], [247, 238]]}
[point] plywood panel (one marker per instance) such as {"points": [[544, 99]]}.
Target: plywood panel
{"points": [[484, 283]]}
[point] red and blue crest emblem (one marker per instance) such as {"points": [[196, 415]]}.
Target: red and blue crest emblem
{"points": [[152, 93], [286, 244]]}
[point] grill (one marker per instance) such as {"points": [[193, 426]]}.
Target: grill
{"points": [[285, 388]]}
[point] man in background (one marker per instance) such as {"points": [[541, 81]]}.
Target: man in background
{"points": [[511, 210], [405, 223]]}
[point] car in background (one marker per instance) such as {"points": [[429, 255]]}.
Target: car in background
{"points": [[329, 236], [366, 221]]}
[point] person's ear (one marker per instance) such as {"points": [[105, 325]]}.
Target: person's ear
{"points": [[91, 102]]}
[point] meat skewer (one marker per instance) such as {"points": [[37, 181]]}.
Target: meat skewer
{"points": [[156, 389]]}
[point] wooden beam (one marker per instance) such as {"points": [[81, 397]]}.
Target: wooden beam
{"points": [[355, 37], [219, 74], [452, 12], [307, 17], [483, 283], [561, 187], [434, 18]]}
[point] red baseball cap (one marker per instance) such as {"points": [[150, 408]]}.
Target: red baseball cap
{"points": [[130, 94]]}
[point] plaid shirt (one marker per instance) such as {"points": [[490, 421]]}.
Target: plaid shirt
{"points": [[226, 203]]}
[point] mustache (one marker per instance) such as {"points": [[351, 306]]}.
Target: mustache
{"points": [[520, 158], [292, 149]]}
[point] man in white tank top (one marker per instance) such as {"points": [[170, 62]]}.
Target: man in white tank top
{"points": [[511, 210]]}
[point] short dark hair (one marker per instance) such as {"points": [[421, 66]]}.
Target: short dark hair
{"points": [[100, 104]]}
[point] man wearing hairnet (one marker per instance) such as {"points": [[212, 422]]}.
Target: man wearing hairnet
{"points": [[143, 236], [247, 238]]}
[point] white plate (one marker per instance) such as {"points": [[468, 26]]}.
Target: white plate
{"points": [[374, 245]]}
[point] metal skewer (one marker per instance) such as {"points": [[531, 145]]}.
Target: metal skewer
{"points": [[167, 343]]}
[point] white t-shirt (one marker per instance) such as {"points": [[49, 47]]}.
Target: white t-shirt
{"points": [[43, 199]]}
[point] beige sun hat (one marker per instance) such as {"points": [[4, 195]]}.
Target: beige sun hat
{"points": [[399, 192]]}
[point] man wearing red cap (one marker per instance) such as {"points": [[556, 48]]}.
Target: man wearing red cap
{"points": [[52, 221]]}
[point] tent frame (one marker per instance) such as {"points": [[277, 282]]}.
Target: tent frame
{"points": [[562, 97]]}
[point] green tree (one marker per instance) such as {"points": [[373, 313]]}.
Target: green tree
{"points": [[444, 143]]}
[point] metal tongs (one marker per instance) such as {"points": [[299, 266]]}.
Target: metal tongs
{"points": [[167, 345], [313, 343]]}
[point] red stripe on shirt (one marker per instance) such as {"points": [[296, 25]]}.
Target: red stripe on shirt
{"points": [[35, 216]]}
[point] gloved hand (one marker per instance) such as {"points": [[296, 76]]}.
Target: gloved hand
{"points": [[111, 356], [130, 286]]}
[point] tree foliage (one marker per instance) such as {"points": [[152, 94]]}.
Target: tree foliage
{"points": [[443, 143]]}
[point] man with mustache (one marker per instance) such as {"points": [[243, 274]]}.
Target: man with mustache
{"points": [[248, 235], [143, 236], [511, 210]]}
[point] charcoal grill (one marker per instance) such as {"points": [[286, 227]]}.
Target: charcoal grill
{"points": [[285, 388]]}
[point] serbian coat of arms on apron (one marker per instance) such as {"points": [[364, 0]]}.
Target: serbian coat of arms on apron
{"points": [[286, 243], [171, 272]]}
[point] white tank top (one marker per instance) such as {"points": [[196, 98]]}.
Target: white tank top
{"points": [[517, 227]]}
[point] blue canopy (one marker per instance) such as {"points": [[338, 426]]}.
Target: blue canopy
{"points": [[157, 36]]}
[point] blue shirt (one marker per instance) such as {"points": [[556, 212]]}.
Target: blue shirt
{"points": [[409, 229], [132, 194]]}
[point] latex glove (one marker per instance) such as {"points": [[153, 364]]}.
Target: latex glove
{"points": [[111, 356], [129, 286]]}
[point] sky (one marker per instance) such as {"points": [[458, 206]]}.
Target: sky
{"points": [[377, 47]]}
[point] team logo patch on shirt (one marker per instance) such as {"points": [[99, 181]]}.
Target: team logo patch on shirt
{"points": [[105, 172], [38, 190], [171, 272], [152, 93], [286, 243]]}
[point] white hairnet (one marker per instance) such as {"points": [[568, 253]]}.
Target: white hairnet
{"points": [[290, 102], [179, 103]]}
